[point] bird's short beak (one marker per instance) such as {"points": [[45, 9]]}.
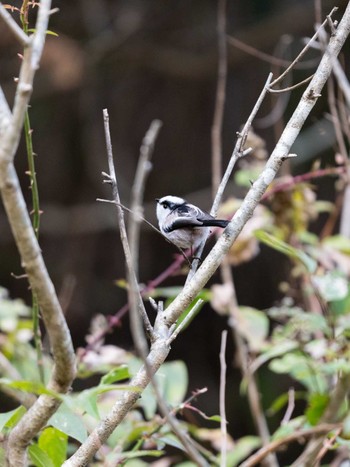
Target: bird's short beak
{"points": [[157, 200]]}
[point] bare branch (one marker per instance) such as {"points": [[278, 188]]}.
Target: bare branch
{"points": [[237, 153], [142, 171], [291, 88], [32, 261], [281, 151], [256, 458], [266, 57], [135, 298], [16, 30], [160, 348], [305, 49], [331, 415], [253, 393], [223, 420], [185, 322], [137, 308], [216, 129], [30, 64]]}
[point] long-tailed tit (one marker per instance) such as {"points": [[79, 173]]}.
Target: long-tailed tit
{"points": [[184, 224]]}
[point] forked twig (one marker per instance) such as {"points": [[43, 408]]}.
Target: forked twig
{"points": [[159, 332], [159, 352]]}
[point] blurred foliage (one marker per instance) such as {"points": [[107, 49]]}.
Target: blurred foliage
{"points": [[304, 336]]}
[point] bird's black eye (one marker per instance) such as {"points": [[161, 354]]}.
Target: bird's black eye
{"points": [[165, 204]]}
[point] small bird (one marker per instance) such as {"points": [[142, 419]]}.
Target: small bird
{"points": [[184, 224]]}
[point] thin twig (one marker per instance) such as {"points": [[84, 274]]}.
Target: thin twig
{"points": [[216, 129], [137, 306], [143, 168], [291, 88], [327, 445], [290, 407], [266, 57], [304, 50], [253, 392], [134, 295], [16, 30], [61, 345], [223, 420], [258, 457], [210, 264], [112, 201], [185, 321], [237, 153], [285, 183], [331, 415]]}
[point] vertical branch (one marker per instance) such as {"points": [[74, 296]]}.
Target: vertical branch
{"points": [[61, 345], [223, 420], [253, 393], [143, 168], [137, 309], [216, 129], [135, 298], [160, 348], [237, 153]]}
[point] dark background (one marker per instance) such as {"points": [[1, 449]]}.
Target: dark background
{"points": [[143, 60]]}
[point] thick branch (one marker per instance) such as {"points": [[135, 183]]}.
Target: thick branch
{"points": [[159, 349], [31, 257], [280, 153]]}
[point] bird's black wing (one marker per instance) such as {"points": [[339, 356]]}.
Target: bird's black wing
{"points": [[187, 216]]}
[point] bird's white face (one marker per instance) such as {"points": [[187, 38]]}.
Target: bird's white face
{"points": [[167, 204]]}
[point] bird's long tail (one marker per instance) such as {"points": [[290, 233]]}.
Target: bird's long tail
{"points": [[215, 223]]}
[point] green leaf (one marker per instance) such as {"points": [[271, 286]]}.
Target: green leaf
{"points": [[302, 369], [172, 380], [116, 374], [187, 311], [253, 325], [54, 443], [214, 418], [346, 428], [166, 292], [48, 32], [68, 422], [287, 250], [2, 456], [171, 440], [289, 428], [244, 177], [282, 400], [38, 457], [243, 447], [10, 419], [338, 242], [133, 454], [332, 286], [276, 350], [316, 408], [87, 402], [29, 386]]}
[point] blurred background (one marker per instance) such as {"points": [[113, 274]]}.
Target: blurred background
{"points": [[145, 60]]}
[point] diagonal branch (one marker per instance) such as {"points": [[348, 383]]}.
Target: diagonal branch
{"points": [[29, 249], [16, 30], [137, 309], [278, 156], [160, 348]]}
